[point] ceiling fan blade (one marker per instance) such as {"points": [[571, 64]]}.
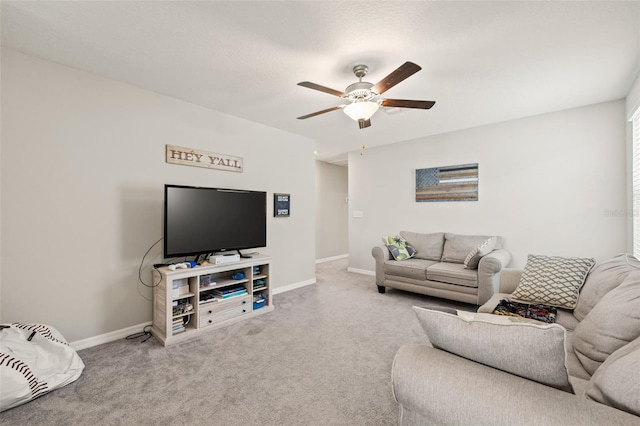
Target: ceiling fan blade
{"points": [[405, 70], [405, 103], [324, 89], [313, 114], [363, 124]]}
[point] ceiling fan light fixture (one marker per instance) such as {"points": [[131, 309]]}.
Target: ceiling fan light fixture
{"points": [[361, 110], [362, 97]]}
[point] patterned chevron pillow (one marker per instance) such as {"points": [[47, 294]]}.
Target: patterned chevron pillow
{"points": [[553, 280]]}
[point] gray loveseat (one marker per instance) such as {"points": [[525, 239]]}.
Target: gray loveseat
{"points": [[437, 269], [602, 359]]}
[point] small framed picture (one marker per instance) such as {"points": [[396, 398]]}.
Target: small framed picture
{"points": [[281, 205]]}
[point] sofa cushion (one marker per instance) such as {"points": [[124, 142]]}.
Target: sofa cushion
{"points": [[428, 246], [616, 383], [398, 247], [553, 280], [474, 256], [518, 346], [574, 366], [611, 324], [603, 278], [410, 268], [457, 247], [452, 273]]}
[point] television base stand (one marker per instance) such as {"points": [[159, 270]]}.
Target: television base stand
{"points": [[244, 256]]}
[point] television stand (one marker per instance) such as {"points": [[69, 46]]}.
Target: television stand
{"points": [[188, 302]]}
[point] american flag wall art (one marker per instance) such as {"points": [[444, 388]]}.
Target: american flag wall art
{"points": [[449, 183]]}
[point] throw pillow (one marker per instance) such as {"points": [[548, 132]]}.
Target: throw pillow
{"points": [[518, 346], [399, 248], [474, 256], [611, 324], [553, 280], [615, 383]]}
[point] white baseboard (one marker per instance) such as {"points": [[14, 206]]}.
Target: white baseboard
{"points": [[361, 271], [329, 259], [122, 333], [293, 286], [107, 337]]}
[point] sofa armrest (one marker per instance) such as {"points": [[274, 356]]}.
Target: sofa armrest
{"points": [[442, 388], [509, 279], [489, 273], [380, 254]]}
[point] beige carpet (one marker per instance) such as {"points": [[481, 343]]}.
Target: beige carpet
{"points": [[323, 357]]}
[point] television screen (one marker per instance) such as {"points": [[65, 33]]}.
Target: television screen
{"points": [[200, 220]]}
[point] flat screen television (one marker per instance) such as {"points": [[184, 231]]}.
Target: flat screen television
{"points": [[200, 220]]}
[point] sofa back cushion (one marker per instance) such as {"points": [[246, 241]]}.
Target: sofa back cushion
{"points": [[610, 325], [616, 381], [602, 279], [428, 246], [457, 247]]}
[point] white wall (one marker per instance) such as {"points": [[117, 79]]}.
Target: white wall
{"points": [[83, 170], [632, 104], [553, 184], [332, 187], [632, 100]]}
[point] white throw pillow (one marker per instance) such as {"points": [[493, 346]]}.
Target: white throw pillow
{"points": [[518, 346], [474, 256]]}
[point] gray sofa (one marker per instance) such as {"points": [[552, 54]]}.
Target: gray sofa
{"points": [[602, 359], [437, 269]]}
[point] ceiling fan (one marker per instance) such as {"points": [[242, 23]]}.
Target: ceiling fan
{"points": [[364, 97]]}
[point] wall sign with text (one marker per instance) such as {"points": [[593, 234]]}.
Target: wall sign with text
{"points": [[281, 205], [197, 158]]}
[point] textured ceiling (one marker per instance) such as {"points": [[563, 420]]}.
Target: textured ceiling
{"points": [[483, 62]]}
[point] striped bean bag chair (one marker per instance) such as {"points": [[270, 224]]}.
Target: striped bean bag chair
{"points": [[34, 359]]}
